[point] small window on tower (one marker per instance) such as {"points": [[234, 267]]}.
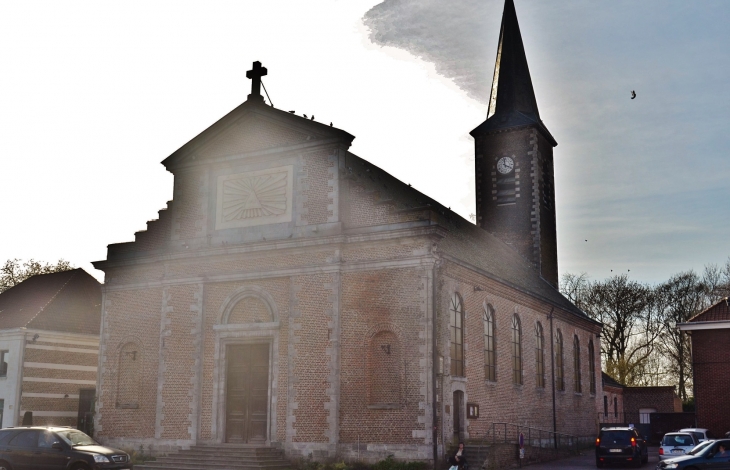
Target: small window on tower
{"points": [[506, 183]]}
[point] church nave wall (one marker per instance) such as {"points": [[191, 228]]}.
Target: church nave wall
{"points": [[528, 403]]}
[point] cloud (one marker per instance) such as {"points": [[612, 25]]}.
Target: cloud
{"points": [[455, 36]]}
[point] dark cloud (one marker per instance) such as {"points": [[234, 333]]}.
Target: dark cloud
{"points": [[456, 36]]}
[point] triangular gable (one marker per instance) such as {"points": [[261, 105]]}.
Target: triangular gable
{"points": [[250, 135], [253, 127]]}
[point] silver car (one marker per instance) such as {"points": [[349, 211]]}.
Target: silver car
{"points": [[700, 433], [677, 444]]}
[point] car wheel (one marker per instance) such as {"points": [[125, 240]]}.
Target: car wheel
{"points": [[80, 466], [5, 466], [638, 461]]}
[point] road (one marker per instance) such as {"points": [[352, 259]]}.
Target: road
{"points": [[588, 460]]}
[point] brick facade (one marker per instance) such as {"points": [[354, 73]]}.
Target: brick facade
{"points": [[710, 334]]}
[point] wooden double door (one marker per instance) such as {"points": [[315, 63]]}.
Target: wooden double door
{"points": [[247, 393]]}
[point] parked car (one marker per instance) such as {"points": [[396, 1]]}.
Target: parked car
{"points": [[56, 448], [705, 456], [621, 445], [675, 444], [700, 433]]}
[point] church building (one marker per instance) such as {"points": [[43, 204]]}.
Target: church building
{"points": [[296, 296]]}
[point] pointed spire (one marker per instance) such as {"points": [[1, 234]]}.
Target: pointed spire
{"points": [[512, 101], [512, 86]]}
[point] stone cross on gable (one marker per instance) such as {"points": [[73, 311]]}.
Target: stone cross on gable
{"points": [[255, 75]]}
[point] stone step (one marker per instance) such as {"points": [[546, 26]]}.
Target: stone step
{"points": [[164, 465], [221, 457]]}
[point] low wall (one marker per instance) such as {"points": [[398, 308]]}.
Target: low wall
{"points": [[507, 455]]}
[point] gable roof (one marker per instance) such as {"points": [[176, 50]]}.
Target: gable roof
{"points": [[718, 312], [67, 301], [254, 126]]}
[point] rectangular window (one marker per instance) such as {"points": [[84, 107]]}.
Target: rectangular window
{"points": [[4, 363], [2, 408], [615, 407], [605, 406]]}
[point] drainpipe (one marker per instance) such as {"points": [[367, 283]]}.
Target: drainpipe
{"points": [[552, 372], [434, 368]]}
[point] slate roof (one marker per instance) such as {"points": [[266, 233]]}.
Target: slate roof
{"points": [[610, 382], [512, 103], [67, 301], [466, 242], [718, 312]]}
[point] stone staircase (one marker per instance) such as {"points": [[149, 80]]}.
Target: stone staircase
{"points": [[221, 457]]}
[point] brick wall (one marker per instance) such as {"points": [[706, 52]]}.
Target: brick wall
{"points": [[129, 316], [660, 398], [55, 369], [711, 355], [502, 400], [528, 224]]}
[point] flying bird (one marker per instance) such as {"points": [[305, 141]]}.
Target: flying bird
{"points": [[633, 94]]}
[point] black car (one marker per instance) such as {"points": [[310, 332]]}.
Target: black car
{"points": [[56, 448], [621, 445], [710, 455]]}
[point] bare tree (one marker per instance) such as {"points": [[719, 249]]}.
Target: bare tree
{"points": [[717, 282], [13, 272], [630, 323], [680, 298]]}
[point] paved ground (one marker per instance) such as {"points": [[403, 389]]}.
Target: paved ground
{"points": [[588, 460]]}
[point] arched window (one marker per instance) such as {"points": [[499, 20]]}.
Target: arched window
{"points": [[577, 387], [130, 376], [592, 367], [490, 359], [516, 350], [559, 376], [457, 336], [539, 356], [385, 360]]}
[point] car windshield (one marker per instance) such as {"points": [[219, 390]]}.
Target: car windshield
{"points": [[617, 437], [681, 440], [76, 438], [699, 448]]}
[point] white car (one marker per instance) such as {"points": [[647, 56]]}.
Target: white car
{"points": [[677, 444], [700, 433]]}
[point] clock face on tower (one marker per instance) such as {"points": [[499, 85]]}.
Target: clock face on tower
{"points": [[505, 165]]}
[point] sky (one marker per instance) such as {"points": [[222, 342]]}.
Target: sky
{"points": [[93, 95]]}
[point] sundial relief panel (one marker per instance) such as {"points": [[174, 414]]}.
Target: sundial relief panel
{"points": [[254, 198]]}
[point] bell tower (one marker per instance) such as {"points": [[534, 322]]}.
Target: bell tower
{"points": [[514, 159]]}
